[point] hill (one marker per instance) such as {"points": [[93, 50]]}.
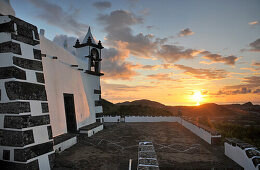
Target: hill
{"points": [[143, 102]]}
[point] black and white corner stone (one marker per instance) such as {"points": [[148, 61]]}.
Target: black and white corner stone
{"points": [[25, 91]]}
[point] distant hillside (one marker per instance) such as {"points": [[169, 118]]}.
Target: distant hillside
{"points": [[143, 102], [240, 113], [135, 108]]}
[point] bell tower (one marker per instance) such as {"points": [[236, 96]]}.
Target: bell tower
{"points": [[90, 53]]}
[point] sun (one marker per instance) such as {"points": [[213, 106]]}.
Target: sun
{"points": [[197, 96]]}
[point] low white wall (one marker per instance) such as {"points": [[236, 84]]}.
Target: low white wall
{"points": [[202, 133], [111, 118], [151, 119], [95, 130], [238, 155], [65, 145]]}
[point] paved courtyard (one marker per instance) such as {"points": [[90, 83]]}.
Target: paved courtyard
{"points": [[111, 149]]}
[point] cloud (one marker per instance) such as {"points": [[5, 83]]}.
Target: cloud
{"points": [[253, 23], [185, 32], [173, 53], [149, 27], [255, 46], [243, 90], [55, 15], [203, 73], [60, 39], [161, 77], [250, 85], [101, 5], [216, 58], [150, 67], [114, 65], [256, 64], [118, 28]]}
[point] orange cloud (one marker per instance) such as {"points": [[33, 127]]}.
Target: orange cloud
{"points": [[203, 73]]}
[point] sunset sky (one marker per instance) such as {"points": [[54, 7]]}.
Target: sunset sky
{"points": [[165, 50]]}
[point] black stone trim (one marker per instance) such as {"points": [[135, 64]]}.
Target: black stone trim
{"points": [[97, 91], [51, 160], [63, 137], [24, 39], [45, 107], [98, 103], [54, 57], [73, 65], [12, 72], [80, 69], [25, 91], [20, 122], [49, 132], [27, 64], [31, 152], [7, 47], [7, 27], [99, 46], [15, 107], [37, 54], [94, 73], [40, 77], [91, 126], [16, 138], [98, 115], [6, 154], [5, 165]]}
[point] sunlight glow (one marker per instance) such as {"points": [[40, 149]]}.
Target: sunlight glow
{"points": [[197, 96]]}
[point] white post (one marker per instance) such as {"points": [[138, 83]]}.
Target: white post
{"points": [[130, 164]]}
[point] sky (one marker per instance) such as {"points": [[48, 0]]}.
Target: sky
{"points": [[171, 51]]}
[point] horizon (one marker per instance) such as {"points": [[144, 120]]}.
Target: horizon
{"points": [[173, 52], [194, 104]]}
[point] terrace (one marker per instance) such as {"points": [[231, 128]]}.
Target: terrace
{"points": [[175, 147]]}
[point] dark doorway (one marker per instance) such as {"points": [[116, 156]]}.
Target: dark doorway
{"points": [[70, 113]]}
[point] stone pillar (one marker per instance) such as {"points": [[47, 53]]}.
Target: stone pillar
{"points": [[25, 131]]}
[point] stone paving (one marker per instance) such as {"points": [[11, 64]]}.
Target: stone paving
{"points": [[111, 149]]}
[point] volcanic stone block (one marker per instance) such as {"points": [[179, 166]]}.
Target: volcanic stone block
{"points": [[24, 31], [37, 54], [99, 115], [24, 39], [45, 107], [6, 155], [12, 72], [40, 77], [31, 152], [97, 91], [25, 91], [19, 122], [52, 160], [15, 107], [7, 27], [27, 64], [16, 138], [10, 47], [49, 132], [98, 103], [5, 165]]}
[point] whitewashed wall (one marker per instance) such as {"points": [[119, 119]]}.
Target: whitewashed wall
{"points": [[238, 155], [202, 133], [61, 78], [111, 118], [151, 119]]}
